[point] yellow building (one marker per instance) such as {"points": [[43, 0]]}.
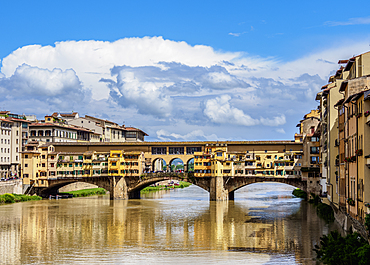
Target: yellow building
{"points": [[217, 161], [40, 163]]}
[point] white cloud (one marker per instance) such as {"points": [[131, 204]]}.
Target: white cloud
{"points": [[92, 60], [147, 97], [219, 110], [62, 89], [351, 21], [276, 121], [158, 84], [280, 130], [194, 135]]}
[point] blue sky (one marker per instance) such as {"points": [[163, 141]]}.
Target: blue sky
{"points": [[180, 70]]}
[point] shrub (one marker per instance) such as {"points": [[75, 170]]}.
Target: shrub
{"points": [[335, 249], [300, 193], [9, 198]]}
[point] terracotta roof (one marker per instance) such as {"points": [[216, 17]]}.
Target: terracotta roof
{"points": [[5, 119], [73, 114], [15, 119], [73, 127], [342, 61], [91, 117], [133, 129]]}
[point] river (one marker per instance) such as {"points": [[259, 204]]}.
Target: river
{"points": [[264, 225]]}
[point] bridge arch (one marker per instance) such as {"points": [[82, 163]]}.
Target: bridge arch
{"points": [[149, 179], [237, 183], [159, 164], [190, 165], [179, 166], [55, 185]]}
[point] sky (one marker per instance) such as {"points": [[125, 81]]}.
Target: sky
{"points": [[178, 70]]}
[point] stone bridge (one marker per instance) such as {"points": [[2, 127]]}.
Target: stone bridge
{"points": [[219, 188]]}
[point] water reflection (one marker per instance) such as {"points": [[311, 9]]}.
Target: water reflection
{"points": [[263, 225]]}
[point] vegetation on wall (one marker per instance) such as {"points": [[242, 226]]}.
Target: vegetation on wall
{"points": [[334, 249]]}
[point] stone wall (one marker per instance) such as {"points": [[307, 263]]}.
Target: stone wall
{"points": [[348, 223], [11, 186], [77, 186]]}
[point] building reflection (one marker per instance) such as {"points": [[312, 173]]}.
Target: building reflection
{"points": [[48, 231]]}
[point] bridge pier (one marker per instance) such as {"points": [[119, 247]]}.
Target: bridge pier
{"points": [[231, 195], [118, 189], [217, 190]]}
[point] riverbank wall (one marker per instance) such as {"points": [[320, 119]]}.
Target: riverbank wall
{"points": [[347, 222], [11, 186]]}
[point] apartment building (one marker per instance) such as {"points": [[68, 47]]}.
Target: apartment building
{"points": [[13, 137], [353, 111], [329, 152]]}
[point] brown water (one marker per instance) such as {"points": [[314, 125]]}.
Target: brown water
{"points": [[264, 225]]}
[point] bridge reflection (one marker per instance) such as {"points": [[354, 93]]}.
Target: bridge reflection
{"points": [[97, 225]]}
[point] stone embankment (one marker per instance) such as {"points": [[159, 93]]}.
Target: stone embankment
{"points": [[11, 186]]}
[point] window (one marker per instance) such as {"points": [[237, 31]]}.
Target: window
{"points": [[25, 165], [314, 159], [191, 150], [315, 150], [176, 150], [159, 150], [130, 134], [219, 153], [25, 156]]}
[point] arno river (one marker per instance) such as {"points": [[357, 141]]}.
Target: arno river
{"points": [[264, 225]]}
